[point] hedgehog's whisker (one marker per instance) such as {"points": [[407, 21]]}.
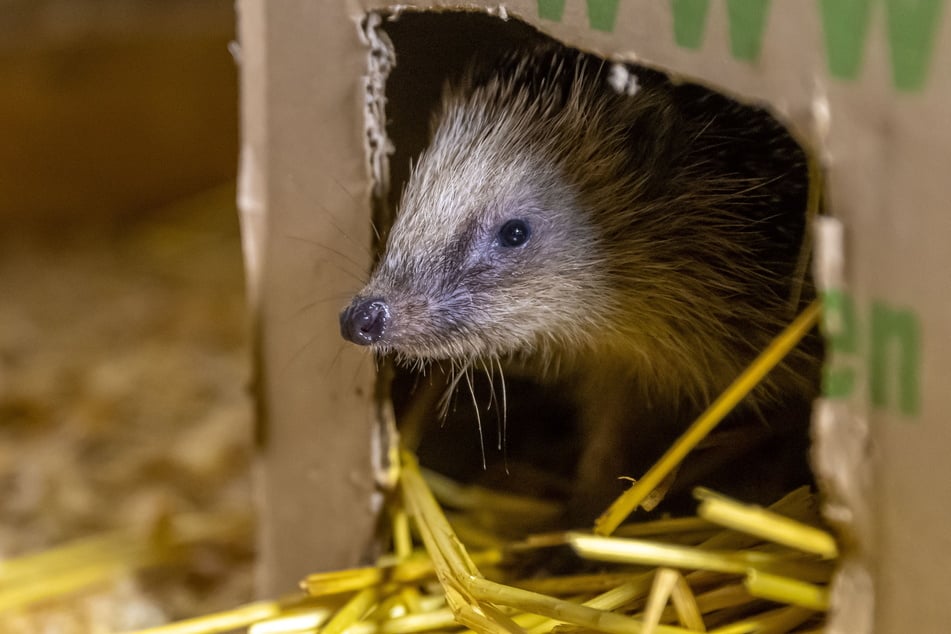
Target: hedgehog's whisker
{"points": [[489, 369], [455, 373], [503, 442], [475, 405]]}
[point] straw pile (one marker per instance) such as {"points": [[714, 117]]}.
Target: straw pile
{"points": [[732, 569]]}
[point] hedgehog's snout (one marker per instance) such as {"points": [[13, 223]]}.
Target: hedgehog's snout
{"points": [[364, 321]]}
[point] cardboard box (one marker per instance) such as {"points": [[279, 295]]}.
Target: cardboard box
{"points": [[863, 83]]}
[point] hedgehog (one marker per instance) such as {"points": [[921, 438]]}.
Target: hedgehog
{"points": [[637, 242]]}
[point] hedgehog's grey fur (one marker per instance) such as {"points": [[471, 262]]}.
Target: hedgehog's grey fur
{"points": [[666, 228]]}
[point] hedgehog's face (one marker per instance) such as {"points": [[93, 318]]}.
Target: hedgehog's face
{"points": [[491, 269]]}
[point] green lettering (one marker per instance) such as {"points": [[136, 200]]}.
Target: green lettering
{"points": [[747, 23], [912, 25], [840, 328], [895, 357], [844, 29], [551, 9], [602, 14], [690, 17]]}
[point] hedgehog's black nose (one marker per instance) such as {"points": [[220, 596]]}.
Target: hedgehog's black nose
{"points": [[364, 322]]}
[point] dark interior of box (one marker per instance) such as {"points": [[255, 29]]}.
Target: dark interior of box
{"points": [[542, 441]]}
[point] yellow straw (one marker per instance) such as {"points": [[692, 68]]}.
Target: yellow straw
{"points": [[775, 621], [220, 621], [766, 361], [755, 520], [351, 611], [786, 590], [294, 621]]}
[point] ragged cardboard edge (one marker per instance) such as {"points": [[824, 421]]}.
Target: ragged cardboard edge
{"points": [[394, 10], [381, 59], [841, 459]]}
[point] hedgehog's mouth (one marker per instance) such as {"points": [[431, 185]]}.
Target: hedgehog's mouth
{"points": [[413, 349]]}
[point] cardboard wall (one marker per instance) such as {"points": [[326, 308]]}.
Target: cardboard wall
{"points": [[863, 82], [304, 195]]}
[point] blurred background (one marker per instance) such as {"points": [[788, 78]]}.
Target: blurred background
{"points": [[123, 331]]}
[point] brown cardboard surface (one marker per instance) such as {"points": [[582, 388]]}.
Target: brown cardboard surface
{"points": [[304, 168], [884, 148]]}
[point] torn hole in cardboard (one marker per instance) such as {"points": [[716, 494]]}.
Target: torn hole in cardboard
{"points": [[411, 56]]}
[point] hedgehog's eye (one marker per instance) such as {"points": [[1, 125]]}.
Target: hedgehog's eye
{"points": [[514, 233]]}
